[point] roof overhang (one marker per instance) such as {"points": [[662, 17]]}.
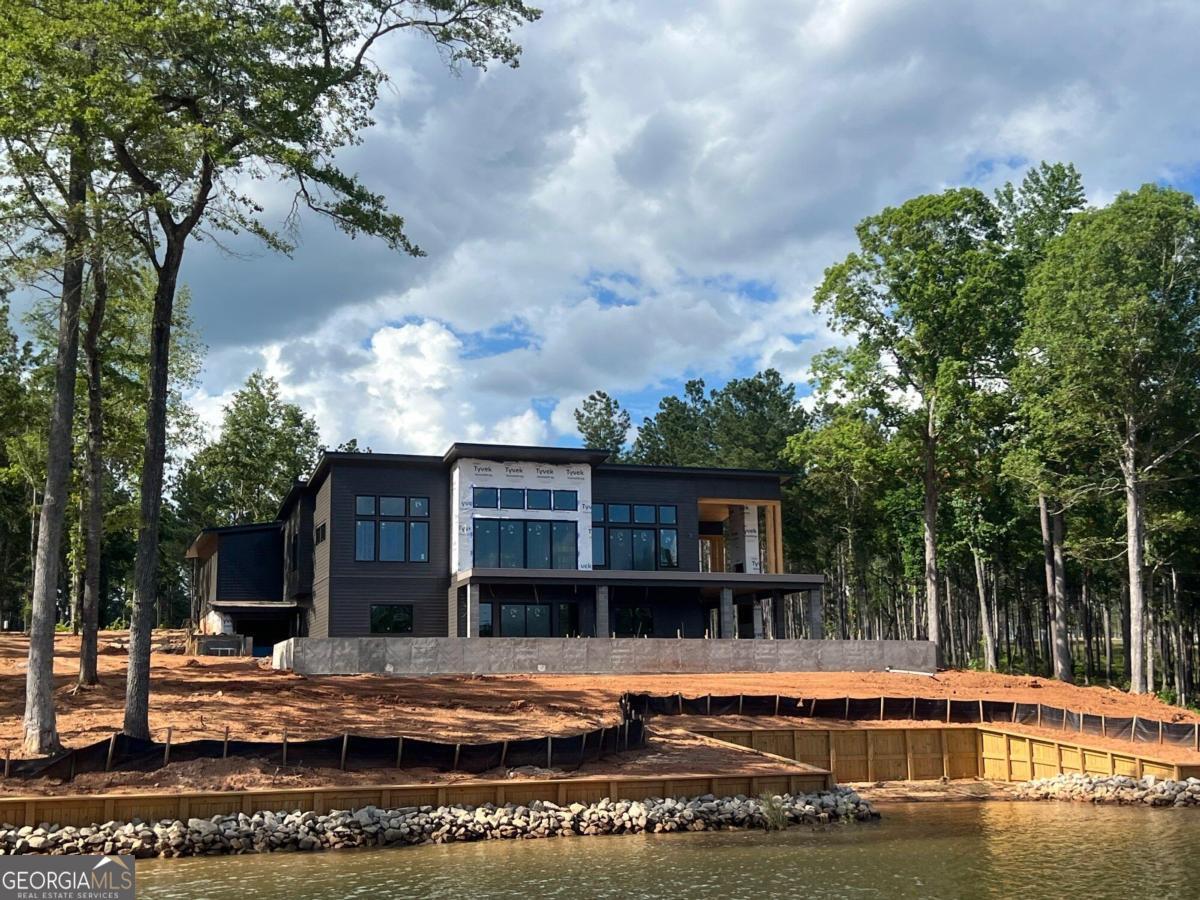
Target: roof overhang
{"points": [[707, 582], [521, 453], [252, 605]]}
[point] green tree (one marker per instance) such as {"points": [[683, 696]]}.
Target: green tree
{"points": [[679, 433], [927, 298], [1112, 353], [602, 424], [752, 419], [1032, 215], [192, 96], [264, 446]]}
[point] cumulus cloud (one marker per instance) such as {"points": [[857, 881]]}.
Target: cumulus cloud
{"points": [[655, 192]]}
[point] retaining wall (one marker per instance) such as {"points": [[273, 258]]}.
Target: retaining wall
{"points": [[600, 656]]}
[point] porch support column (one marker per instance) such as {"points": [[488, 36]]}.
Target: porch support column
{"points": [[602, 627], [472, 610], [816, 616], [759, 612], [726, 612], [452, 612]]}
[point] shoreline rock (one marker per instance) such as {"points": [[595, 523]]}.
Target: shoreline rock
{"points": [[1113, 789], [268, 832]]}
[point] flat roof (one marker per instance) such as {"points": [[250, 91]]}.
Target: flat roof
{"points": [[525, 453], [196, 551]]}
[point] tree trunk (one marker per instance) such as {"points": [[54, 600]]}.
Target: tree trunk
{"points": [[90, 611], [932, 605], [1134, 547], [137, 687], [985, 619], [1064, 670], [40, 729]]}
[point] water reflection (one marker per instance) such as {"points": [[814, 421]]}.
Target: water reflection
{"points": [[918, 850]]}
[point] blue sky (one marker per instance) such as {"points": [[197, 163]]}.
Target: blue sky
{"points": [[654, 194]]}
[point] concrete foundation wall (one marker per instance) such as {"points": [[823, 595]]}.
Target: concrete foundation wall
{"points": [[613, 656]]}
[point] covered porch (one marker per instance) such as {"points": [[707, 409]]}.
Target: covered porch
{"points": [[622, 604]]}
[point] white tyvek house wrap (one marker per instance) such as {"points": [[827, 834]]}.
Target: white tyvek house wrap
{"points": [[743, 545], [468, 474]]}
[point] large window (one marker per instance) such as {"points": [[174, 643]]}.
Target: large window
{"points": [[512, 544], [390, 529], [620, 549], [634, 536], [364, 540], [643, 549], [391, 541], [391, 618], [524, 544], [566, 547], [537, 545], [599, 546], [487, 544]]}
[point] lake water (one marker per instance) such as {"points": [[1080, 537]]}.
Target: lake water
{"points": [[995, 849]]}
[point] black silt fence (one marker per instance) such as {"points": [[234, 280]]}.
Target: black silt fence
{"points": [[1145, 731], [827, 709], [1090, 724], [899, 707], [965, 711], [1051, 717], [1026, 714], [998, 711], [1179, 734], [861, 708], [694, 706], [1071, 720], [760, 705], [1120, 728]]}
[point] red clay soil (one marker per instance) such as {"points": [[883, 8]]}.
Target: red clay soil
{"points": [[200, 696], [668, 751]]}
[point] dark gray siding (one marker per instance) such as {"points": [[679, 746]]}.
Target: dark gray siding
{"points": [[318, 616], [612, 485], [354, 586], [250, 565], [298, 574]]}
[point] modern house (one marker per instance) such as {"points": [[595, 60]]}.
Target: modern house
{"points": [[497, 541]]}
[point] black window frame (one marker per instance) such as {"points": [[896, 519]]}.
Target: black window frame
{"points": [[406, 522], [319, 534], [539, 493], [524, 524], [515, 495], [393, 515], [424, 514], [477, 491], [564, 493], [627, 520], [358, 505]]}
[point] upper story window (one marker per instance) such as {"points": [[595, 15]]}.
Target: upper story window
{"points": [[391, 529], [537, 499], [512, 498], [319, 534], [566, 500], [524, 544], [485, 498], [634, 536]]}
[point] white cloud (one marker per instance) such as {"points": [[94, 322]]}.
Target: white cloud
{"points": [[590, 214]]}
